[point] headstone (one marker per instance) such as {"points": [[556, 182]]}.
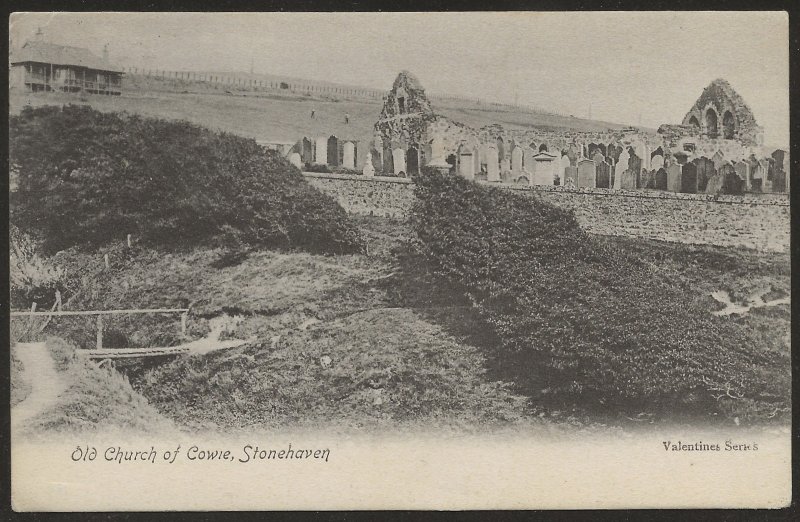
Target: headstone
{"points": [[570, 176], [689, 178], [349, 155], [674, 178], [742, 169], [369, 168], [603, 179], [399, 158], [321, 151], [661, 179], [542, 169], [715, 184], [294, 159], [516, 160], [648, 179], [620, 168], [492, 164], [587, 174], [628, 180], [657, 162], [308, 151], [466, 163], [505, 165]]}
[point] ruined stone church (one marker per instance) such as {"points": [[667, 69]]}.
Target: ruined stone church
{"points": [[716, 149]]}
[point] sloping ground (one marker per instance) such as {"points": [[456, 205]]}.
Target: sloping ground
{"points": [[69, 395], [288, 117], [356, 341]]}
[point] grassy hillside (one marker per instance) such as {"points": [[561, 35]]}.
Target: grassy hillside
{"points": [[364, 341], [286, 117]]}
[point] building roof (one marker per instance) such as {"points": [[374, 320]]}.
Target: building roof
{"points": [[45, 52]]}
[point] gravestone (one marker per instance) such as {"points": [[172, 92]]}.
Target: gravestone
{"points": [[542, 169], [388, 161], [349, 155], [731, 182], [296, 160], [570, 176], [308, 151], [715, 184], [492, 165], [742, 169], [648, 180], [689, 178], [516, 160], [321, 151], [399, 158], [603, 179], [705, 171], [661, 179], [628, 180], [674, 178], [369, 168], [466, 163], [620, 168], [657, 162], [587, 174]]}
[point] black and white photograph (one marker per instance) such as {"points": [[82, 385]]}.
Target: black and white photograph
{"points": [[387, 260]]}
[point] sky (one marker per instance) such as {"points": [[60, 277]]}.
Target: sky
{"points": [[639, 68]]}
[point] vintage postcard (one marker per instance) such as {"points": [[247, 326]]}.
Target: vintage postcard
{"points": [[323, 261]]}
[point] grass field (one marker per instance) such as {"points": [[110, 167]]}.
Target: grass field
{"points": [[367, 341], [273, 117]]}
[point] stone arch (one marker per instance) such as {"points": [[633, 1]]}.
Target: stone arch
{"points": [[333, 151], [658, 152], [412, 160], [501, 149], [693, 121], [728, 126], [712, 123], [543, 147], [523, 180]]}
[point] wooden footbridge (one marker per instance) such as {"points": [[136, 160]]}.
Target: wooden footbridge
{"points": [[115, 353]]}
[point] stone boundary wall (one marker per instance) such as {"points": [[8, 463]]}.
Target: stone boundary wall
{"points": [[758, 221]]}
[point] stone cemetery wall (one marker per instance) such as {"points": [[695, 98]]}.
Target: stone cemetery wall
{"points": [[751, 221], [366, 195]]}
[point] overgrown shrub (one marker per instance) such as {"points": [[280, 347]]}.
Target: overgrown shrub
{"points": [[577, 318], [88, 176], [32, 277]]}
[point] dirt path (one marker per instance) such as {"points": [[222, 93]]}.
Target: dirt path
{"points": [[46, 385]]}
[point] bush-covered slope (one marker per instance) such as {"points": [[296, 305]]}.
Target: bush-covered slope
{"points": [[88, 176], [581, 319]]}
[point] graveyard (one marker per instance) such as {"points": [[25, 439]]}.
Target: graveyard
{"points": [[362, 333]]}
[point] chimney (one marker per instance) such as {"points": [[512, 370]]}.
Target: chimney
{"points": [[105, 53]]}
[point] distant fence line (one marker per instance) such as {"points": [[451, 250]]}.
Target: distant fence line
{"points": [[238, 81]]}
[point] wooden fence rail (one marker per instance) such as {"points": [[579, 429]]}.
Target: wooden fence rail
{"points": [[100, 313]]}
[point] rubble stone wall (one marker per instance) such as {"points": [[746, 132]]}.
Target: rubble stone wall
{"points": [[758, 221]]}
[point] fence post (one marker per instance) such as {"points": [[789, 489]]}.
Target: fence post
{"points": [[105, 259], [183, 324], [33, 311], [99, 332], [129, 240], [58, 300]]}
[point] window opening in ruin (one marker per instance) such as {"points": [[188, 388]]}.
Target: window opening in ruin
{"points": [[693, 122], [401, 105], [689, 147], [728, 125], [712, 129]]}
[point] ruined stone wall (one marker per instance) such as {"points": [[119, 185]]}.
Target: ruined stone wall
{"points": [[751, 221]]}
